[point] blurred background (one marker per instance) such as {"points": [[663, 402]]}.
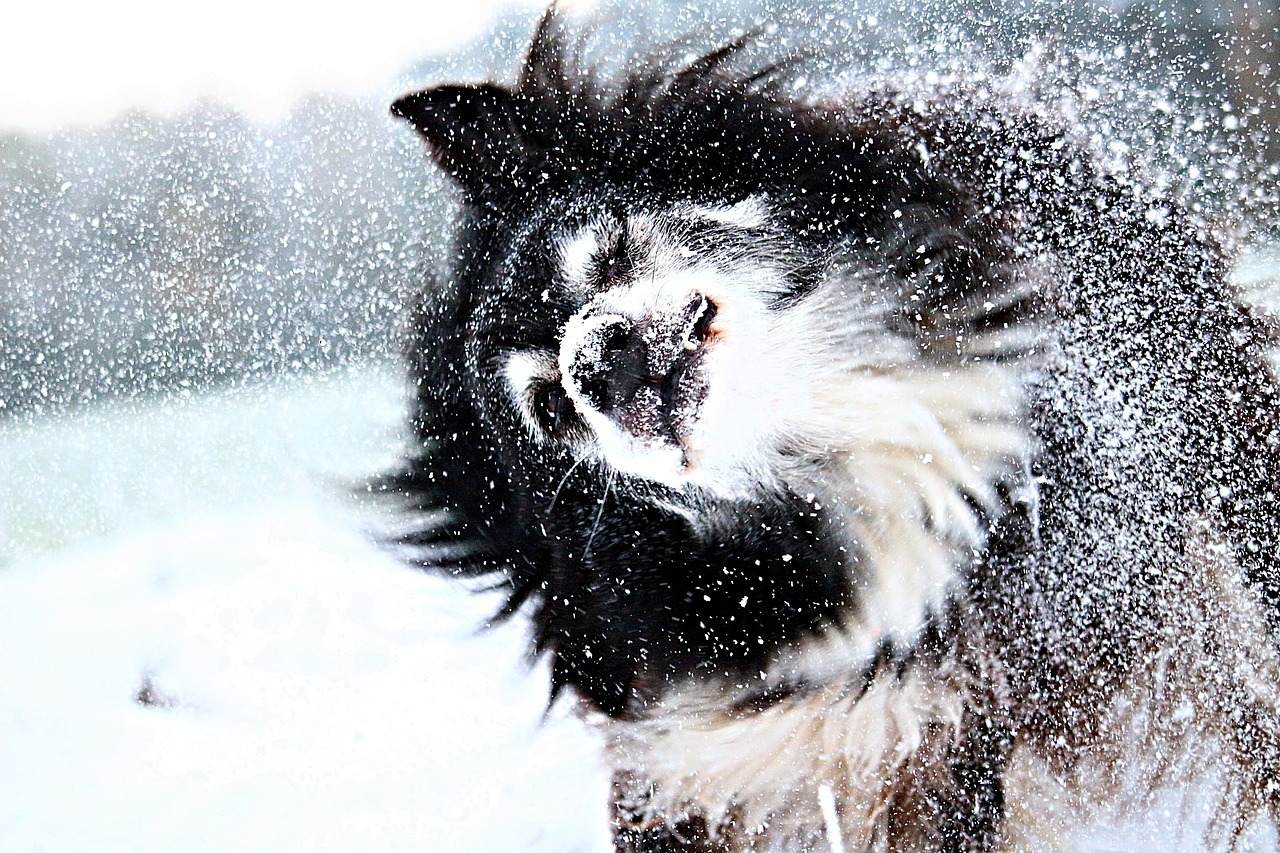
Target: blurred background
{"points": [[199, 215], [210, 230]]}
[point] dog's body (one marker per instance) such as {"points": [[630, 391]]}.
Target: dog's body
{"points": [[868, 471]]}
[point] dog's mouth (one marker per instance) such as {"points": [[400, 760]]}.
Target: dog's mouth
{"points": [[644, 377]]}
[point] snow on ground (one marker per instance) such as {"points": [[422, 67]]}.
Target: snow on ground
{"points": [[307, 693]]}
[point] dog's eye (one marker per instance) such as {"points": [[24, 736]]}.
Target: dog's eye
{"points": [[553, 406]]}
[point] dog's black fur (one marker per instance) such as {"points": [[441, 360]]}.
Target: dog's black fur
{"points": [[1150, 408]]}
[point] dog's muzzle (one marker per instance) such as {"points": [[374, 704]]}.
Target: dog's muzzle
{"points": [[643, 373]]}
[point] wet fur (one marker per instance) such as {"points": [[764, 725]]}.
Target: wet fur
{"points": [[1012, 529]]}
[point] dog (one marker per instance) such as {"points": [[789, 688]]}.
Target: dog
{"points": [[876, 473]]}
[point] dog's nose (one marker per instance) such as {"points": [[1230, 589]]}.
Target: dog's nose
{"points": [[619, 358]]}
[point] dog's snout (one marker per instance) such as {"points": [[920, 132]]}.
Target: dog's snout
{"points": [[618, 357]]}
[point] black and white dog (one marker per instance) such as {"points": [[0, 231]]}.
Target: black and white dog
{"points": [[877, 474]]}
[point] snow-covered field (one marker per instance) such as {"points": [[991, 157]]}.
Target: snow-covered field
{"points": [[307, 693]]}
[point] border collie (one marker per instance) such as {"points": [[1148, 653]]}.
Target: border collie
{"points": [[876, 473]]}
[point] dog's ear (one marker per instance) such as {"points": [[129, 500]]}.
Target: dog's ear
{"points": [[476, 133]]}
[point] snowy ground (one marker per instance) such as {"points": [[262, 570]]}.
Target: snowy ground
{"points": [[306, 693], [309, 693]]}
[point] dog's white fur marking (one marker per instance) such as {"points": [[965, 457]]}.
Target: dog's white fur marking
{"points": [[772, 763], [937, 439], [827, 801], [749, 213], [576, 254]]}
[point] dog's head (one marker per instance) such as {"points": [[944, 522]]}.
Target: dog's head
{"points": [[692, 323]]}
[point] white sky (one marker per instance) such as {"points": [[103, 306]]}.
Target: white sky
{"points": [[82, 61]]}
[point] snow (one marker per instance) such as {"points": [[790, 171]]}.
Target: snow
{"points": [[307, 692]]}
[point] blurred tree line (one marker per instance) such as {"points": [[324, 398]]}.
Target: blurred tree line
{"points": [[154, 253], [157, 252]]}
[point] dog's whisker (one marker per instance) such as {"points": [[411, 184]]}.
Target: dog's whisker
{"points": [[591, 537], [555, 496]]}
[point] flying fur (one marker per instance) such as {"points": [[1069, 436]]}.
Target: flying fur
{"points": [[869, 469]]}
